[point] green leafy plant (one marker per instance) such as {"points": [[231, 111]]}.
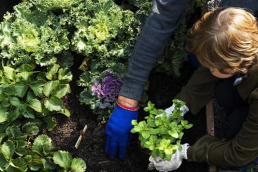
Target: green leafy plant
{"points": [[22, 155], [26, 93], [29, 35], [161, 135]]}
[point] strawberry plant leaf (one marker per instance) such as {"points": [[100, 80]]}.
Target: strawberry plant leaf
{"points": [[25, 68], [52, 72], [28, 113], [19, 164], [78, 165], [53, 104], [3, 115], [7, 149], [37, 87], [42, 145], [13, 132], [20, 90], [50, 122], [9, 72], [63, 159], [20, 147], [65, 112], [65, 75], [62, 90], [15, 101], [2, 137], [48, 164], [3, 161], [35, 104], [49, 87]]}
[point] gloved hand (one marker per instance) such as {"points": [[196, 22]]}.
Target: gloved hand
{"points": [[171, 109], [118, 130], [173, 164]]}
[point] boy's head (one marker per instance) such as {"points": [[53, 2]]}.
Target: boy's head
{"points": [[225, 39]]}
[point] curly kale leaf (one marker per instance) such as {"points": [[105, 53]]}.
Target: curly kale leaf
{"points": [[54, 5], [28, 34], [105, 32]]}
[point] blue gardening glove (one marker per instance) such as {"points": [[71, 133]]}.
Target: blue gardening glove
{"points": [[118, 131]]}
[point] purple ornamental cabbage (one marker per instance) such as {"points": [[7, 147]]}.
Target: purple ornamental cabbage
{"points": [[107, 89]]}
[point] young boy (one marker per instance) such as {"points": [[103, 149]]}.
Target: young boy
{"points": [[225, 42]]}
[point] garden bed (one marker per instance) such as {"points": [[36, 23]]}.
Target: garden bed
{"points": [[92, 147]]}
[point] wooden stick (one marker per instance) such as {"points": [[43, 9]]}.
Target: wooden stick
{"points": [[80, 137]]}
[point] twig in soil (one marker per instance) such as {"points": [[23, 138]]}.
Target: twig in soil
{"points": [[81, 136]]}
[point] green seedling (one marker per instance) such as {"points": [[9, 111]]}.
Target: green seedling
{"points": [[162, 135]]}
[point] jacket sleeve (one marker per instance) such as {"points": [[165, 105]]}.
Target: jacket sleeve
{"points": [[154, 36], [199, 90], [237, 152]]}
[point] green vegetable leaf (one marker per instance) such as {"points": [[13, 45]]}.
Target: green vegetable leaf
{"points": [[63, 159], [37, 87], [20, 147], [53, 104], [145, 134], [9, 72], [20, 90], [65, 75], [13, 132], [18, 164], [48, 164], [134, 122], [62, 90], [52, 72], [50, 122], [78, 165], [7, 149], [65, 112], [35, 104], [15, 101], [2, 137], [49, 87], [3, 115], [3, 161], [42, 145], [173, 133]]}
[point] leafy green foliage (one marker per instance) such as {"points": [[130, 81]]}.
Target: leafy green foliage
{"points": [[143, 8], [161, 135], [22, 155], [65, 160], [31, 35], [26, 93], [105, 34], [54, 5]]}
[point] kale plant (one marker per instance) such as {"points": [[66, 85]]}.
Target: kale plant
{"points": [[161, 135], [101, 92], [105, 34], [29, 35]]}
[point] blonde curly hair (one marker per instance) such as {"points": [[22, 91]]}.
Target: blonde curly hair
{"points": [[225, 38]]}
